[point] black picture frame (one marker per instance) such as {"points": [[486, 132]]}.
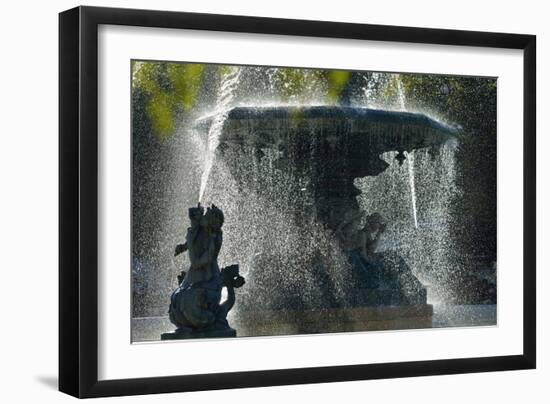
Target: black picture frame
{"points": [[78, 201]]}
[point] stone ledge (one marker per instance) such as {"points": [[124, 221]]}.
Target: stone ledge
{"points": [[289, 322], [190, 334]]}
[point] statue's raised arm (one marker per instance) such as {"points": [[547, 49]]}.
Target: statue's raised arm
{"points": [[180, 248]]}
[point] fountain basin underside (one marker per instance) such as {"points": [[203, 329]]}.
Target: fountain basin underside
{"points": [[342, 141]]}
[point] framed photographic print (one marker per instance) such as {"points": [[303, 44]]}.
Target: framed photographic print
{"points": [[251, 201]]}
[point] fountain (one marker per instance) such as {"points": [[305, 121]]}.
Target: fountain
{"points": [[288, 176], [357, 215]]}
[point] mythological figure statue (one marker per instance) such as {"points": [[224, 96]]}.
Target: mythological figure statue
{"points": [[195, 307]]}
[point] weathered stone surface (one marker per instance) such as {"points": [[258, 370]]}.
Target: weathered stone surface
{"points": [[327, 321], [190, 334], [330, 320]]}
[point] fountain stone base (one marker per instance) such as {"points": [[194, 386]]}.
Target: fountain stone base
{"points": [[293, 322], [330, 320], [190, 334]]}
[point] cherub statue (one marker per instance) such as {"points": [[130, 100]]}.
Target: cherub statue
{"points": [[203, 243], [370, 234], [195, 305], [195, 217]]}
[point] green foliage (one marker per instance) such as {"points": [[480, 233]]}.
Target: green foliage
{"points": [[160, 110], [223, 71], [186, 81], [308, 84], [293, 82], [337, 80], [170, 88], [146, 75]]}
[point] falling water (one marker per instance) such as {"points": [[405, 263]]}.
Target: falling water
{"points": [[369, 89], [400, 93], [224, 102], [428, 251], [410, 158], [266, 234]]}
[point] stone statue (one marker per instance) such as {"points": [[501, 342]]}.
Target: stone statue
{"points": [[352, 235], [195, 307], [370, 234]]}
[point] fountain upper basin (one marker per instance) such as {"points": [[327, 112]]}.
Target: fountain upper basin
{"points": [[324, 147], [348, 139]]}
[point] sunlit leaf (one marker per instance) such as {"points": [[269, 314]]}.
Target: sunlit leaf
{"points": [[337, 81], [169, 88], [186, 80], [160, 112]]}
